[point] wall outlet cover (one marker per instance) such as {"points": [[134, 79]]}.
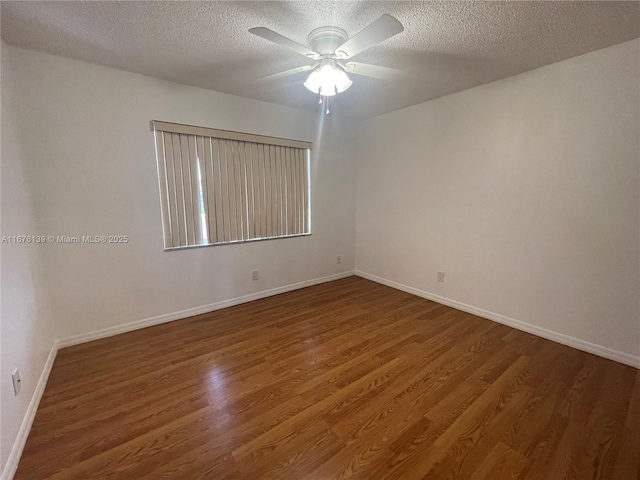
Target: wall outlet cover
{"points": [[17, 382]]}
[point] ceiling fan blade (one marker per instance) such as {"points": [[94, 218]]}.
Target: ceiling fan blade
{"points": [[384, 27], [286, 73], [374, 71], [275, 37]]}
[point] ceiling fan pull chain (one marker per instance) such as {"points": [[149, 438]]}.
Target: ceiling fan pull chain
{"points": [[327, 106], [319, 97]]}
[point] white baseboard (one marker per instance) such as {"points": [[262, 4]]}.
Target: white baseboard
{"points": [[190, 312], [19, 443], [621, 357], [21, 439]]}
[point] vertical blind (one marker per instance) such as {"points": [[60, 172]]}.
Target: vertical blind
{"points": [[219, 187]]}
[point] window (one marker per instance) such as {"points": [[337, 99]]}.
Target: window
{"points": [[221, 187]]}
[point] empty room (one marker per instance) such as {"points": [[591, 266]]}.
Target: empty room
{"points": [[312, 240]]}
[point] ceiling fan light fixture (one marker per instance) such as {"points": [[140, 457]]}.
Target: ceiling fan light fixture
{"points": [[328, 80], [330, 45], [341, 80]]}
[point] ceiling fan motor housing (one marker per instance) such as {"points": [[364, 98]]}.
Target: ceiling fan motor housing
{"points": [[325, 40]]}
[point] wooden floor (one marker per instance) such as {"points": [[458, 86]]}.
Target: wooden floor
{"points": [[348, 379]]}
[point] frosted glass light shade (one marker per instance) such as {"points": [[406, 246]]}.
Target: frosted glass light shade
{"points": [[328, 81]]}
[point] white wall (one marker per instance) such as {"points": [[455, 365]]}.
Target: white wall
{"points": [[26, 329], [525, 192], [78, 159]]}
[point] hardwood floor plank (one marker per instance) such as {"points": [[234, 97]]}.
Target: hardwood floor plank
{"points": [[627, 465], [502, 463], [348, 379], [607, 420]]}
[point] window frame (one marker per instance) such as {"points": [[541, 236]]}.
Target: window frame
{"points": [[160, 128]]}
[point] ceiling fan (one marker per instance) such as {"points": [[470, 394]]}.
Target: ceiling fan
{"points": [[332, 49]]}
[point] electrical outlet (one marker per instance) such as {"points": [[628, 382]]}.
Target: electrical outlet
{"points": [[255, 275], [339, 259], [441, 277], [17, 383]]}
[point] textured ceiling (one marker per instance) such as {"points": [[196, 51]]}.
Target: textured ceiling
{"points": [[446, 46]]}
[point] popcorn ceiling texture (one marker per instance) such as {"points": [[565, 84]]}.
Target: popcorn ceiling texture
{"points": [[446, 46]]}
